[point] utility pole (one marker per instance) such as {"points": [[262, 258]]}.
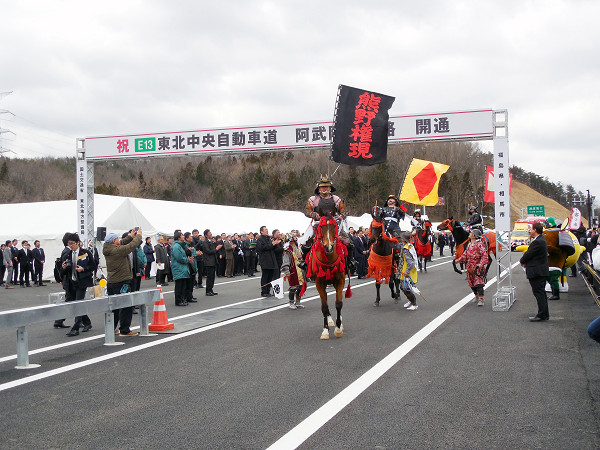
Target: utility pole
{"points": [[4, 149], [589, 205]]}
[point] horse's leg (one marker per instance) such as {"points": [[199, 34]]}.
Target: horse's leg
{"points": [[339, 289], [391, 284], [420, 262], [377, 286], [321, 288], [425, 263]]}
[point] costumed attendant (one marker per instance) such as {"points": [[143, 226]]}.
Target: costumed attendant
{"points": [[293, 269], [475, 219], [476, 258], [555, 257], [408, 269], [391, 214]]}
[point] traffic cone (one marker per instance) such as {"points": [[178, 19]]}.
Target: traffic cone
{"points": [[160, 322]]}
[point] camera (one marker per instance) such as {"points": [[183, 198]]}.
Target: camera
{"points": [[68, 263]]}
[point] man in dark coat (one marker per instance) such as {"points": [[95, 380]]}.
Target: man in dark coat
{"points": [[266, 258], [39, 258], [25, 264], [197, 243], [249, 247], [360, 256], [77, 269], [209, 252], [535, 261]]}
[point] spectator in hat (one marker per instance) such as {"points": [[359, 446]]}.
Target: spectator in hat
{"points": [[120, 273]]}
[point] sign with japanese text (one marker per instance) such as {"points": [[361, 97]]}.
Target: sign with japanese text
{"points": [[501, 186], [82, 206], [361, 126], [536, 210], [461, 125]]}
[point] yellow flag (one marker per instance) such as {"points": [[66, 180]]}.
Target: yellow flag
{"points": [[422, 181]]}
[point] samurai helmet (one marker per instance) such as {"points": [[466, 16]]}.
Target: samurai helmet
{"points": [[325, 181], [417, 211], [473, 208], [393, 197]]}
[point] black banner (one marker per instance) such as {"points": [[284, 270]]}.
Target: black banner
{"points": [[360, 127]]}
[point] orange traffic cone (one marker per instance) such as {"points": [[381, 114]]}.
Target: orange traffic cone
{"points": [[160, 322]]}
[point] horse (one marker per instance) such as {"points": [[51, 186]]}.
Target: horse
{"points": [[382, 260], [461, 237], [423, 245], [326, 264]]}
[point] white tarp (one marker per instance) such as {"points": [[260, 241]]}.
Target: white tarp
{"points": [[49, 221]]}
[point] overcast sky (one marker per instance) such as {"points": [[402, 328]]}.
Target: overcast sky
{"points": [[80, 69]]}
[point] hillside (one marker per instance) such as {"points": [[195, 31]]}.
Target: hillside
{"points": [[522, 196]]}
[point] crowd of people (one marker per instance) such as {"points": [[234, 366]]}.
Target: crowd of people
{"points": [[194, 260]]}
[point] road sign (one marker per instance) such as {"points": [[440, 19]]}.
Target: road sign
{"points": [[536, 210]]}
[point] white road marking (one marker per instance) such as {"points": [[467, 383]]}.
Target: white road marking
{"points": [[301, 432]]}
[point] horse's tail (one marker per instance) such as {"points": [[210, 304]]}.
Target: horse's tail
{"points": [[348, 293]]}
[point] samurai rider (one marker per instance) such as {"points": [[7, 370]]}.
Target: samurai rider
{"points": [[391, 214], [407, 269], [325, 203], [416, 221], [293, 268], [475, 219]]}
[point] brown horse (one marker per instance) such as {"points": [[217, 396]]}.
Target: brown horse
{"points": [[422, 244], [326, 264], [461, 237], [382, 266]]}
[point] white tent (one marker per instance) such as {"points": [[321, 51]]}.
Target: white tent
{"points": [[48, 221]]}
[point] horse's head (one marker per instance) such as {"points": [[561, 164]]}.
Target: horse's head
{"points": [[375, 230], [328, 233], [447, 224]]}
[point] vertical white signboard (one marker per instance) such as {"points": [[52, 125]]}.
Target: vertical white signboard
{"points": [[82, 198]]}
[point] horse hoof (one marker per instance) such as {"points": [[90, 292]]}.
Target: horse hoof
{"points": [[325, 335], [330, 322], [375, 303], [338, 332]]}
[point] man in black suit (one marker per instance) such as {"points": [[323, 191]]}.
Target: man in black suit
{"points": [[249, 247], [209, 252], [265, 247], [26, 264], [39, 258], [77, 271], [535, 261]]}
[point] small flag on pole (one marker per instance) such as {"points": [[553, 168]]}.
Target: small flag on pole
{"points": [[277, 286]]}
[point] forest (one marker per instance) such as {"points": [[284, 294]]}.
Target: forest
{"points": [[277, 180]]}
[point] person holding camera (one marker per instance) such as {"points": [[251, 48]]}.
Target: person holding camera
{"points": [[267, 260], [77, 271], [120, 273]]}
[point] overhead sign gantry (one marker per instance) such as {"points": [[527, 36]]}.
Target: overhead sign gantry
{"points": [[471, 125]]}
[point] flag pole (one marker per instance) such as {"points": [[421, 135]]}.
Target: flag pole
{"points": [[335, 109], [404, 180]]}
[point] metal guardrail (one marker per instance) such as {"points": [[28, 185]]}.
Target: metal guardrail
{"points": [[596, 279], [22, 318]]}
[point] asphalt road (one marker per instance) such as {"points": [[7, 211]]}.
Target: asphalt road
{"points": [[473, 378]]}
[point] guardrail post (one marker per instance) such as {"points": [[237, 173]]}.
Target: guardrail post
{"points": [[23, 350], [109, 329], [144, 331]]}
